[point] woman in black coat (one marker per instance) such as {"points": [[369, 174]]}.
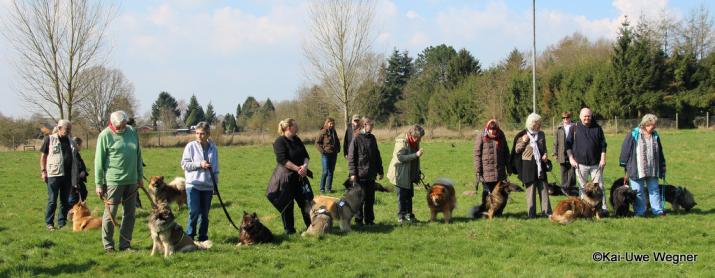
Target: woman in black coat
{"points": [[529, 158], [290, 175]]}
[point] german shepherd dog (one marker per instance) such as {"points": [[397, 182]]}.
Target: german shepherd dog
{"points": [[320, 222], [82, 219], [378, 187], [496, 201], [556, 190], [168, 236], [161, 192], [342, 209], [677, 196], [441, 198], [253, 231], [622, 198], [570, 209]]}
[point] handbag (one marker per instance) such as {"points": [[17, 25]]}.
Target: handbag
{"points": [[307, 190], [548, 165]]}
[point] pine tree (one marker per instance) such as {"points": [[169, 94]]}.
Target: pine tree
{"points": [[210, 116], [164, 103], [194, 113], [250, 107]]}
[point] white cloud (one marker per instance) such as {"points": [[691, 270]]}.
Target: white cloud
{"points": [[162, 15], [411, 14], [418, 40], [634, 9]]}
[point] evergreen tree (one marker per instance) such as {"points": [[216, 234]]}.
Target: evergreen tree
{"points": [[268, 106], [229, 123], [210, 114], [462, 65], [250, 107], [164, 104], [194, 113]]}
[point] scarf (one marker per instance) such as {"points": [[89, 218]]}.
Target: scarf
{"points": [[533, 137], [112, 127], [413, 144], [646, 149], [491, 134]]}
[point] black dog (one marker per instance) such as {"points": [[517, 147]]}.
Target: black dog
{"points": [[253, 231], [677, 196], [622, 198]]}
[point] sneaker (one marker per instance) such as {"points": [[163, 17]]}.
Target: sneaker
{"points": [[412, 219], [400, 220], [322, 191], [50, 227]]}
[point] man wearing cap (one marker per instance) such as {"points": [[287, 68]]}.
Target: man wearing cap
{"points": [[562, 134], [348, 138]]}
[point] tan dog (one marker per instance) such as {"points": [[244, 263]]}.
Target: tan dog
{"points": [[320, 222], [168, 236], [570, 209], [82, 218], [341, 209], [498, 197], [161, 192], [441, 198]]}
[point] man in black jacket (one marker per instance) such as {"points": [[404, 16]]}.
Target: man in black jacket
{"points": [[364, 165], [586, 149], [563, 133]]}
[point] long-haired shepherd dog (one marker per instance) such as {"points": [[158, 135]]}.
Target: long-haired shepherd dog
{"points": [[678, 196], [320, 222], [497, 199], [378, 187], [441, 198], [622, 198], [587, 207], [342, 209], [168, 236], [253, 231], [82, 218], [166, 193]]}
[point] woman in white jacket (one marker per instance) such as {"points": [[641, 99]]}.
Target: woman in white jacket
{"points": [[199, 158]]}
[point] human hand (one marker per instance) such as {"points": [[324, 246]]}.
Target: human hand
{"points": [[100, 191], [352, 178], [205, 164], [140, 183], [544, 157], [419, 152], [82, 174], [302, 171], [573, 162], [43, 174], [602, 163], [381, 176], [525, 138]]}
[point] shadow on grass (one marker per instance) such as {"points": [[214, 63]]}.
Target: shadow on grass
{"points": [[2, 229], [692, 211], [217, 205], [68, 268]]}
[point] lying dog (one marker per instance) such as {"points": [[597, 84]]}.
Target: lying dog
{"points": [[168, 236], [677, 196], [570, 209], [161, 192], [622, 198], [497, 199], [556, 190], [82, 219], [378, 187], [441, 198], [253, 231], [320, 222], [342, 209]]}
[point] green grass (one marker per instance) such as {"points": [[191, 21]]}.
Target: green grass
{"points": [[511, 245]]}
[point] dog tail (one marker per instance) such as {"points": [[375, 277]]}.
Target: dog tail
{"points": [[476, 212], [565, 218], [179, 183], [203, 245]]}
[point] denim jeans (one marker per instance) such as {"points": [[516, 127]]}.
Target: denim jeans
{"points": [[78, 193], [199, 203], [328, 161], [404, 202], [654, 197], [57, 187]]}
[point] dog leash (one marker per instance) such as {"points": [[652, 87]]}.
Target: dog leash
{"points": [[151, 200], [107, 203], [422, 181], [228, 216]]}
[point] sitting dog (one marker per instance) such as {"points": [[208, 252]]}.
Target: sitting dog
{"points": [[253, 231], [570, 209], [168, 236], [677, 196], [320, 222], [496, 201], [82, 218], [441, 198], [342, 209], [621, 199], [161, 192]]}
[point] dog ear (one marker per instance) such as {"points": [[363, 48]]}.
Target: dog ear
{"points": [[254, 215], [245, 213], [161, 178]]}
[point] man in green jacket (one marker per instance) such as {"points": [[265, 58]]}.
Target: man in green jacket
{"points": [[118, 171]]}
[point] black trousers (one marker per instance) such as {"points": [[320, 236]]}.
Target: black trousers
{"points": [[568, 176], [366, 214], [489, 187], [294, 193]]}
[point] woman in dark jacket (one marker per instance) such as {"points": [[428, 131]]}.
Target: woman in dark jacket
{"points": [[491, 160], [364, 165], [328, 144], [286, 184], [642, 158], [529, 158]]}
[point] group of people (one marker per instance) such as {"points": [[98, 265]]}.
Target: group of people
{"points": [[579, 148]]}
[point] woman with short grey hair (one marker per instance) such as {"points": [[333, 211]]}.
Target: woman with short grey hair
{"points": [[643, 160], [118, 174], [199, 161], [529, 157]]}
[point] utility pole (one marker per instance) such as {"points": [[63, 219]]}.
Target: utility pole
{"points": [[533, 54]]}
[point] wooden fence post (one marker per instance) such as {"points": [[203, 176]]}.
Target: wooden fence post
{"points": [[676, 120]]}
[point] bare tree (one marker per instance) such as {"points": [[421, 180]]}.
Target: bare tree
{"points": [[106, 90], [56, 40], [338, 46]]}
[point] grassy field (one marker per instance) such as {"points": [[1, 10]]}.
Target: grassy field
{"points": [[510, 245]]}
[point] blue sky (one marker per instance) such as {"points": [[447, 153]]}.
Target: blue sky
{"points": [[224, 51]]}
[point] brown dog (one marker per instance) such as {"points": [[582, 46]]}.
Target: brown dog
{"points": [[587, 207], [82, 219], [253, 231], [441, 198], [168, 236], [320, 222], [497, 198], [344, 209], [164, 193]]}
